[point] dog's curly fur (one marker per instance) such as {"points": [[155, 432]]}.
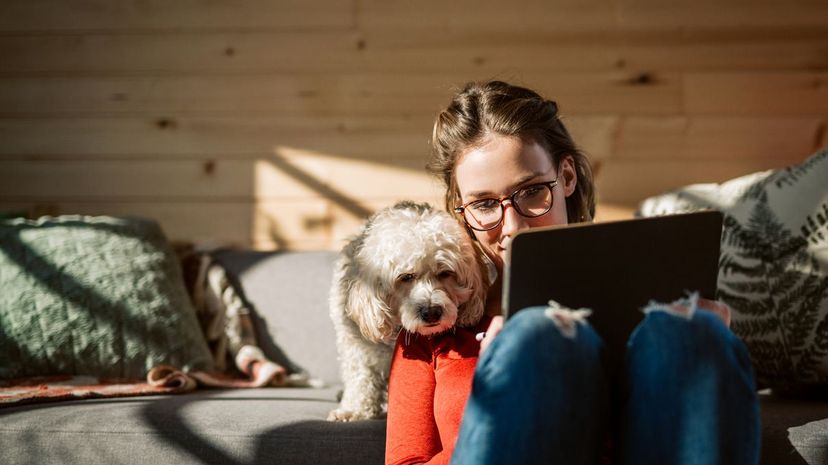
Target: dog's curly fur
{"points": [[410, 268]]}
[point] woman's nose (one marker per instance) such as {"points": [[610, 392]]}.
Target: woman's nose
{"points": [[512, 220]]}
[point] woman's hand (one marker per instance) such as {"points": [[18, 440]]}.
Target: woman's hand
{"points": [[718, 307], [494, 328]]}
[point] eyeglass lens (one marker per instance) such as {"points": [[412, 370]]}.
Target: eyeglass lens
{"points": [[531, 201]]}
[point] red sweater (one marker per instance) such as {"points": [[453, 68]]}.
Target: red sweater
{"points": [[430, 381]]}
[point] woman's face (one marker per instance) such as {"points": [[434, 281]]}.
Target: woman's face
{"points": [[496, 169]]}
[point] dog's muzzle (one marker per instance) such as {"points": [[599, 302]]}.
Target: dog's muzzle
{"points": [[430, 314]]}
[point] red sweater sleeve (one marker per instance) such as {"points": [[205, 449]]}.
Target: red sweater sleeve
{"points": [[429, 384]]}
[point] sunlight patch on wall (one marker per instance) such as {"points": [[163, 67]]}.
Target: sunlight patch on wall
{"points": [[305, 199]]}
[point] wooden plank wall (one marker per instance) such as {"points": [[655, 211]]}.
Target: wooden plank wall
{"points": [[282, 124]]}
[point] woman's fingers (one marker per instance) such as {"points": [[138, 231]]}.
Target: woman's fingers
{"points": [[494, 328], [718, 307]]}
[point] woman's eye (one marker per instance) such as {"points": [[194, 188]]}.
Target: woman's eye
{"points": [[529, 192], [484, 205]]}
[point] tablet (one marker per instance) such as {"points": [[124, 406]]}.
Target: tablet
{"points": [[614, 268]]}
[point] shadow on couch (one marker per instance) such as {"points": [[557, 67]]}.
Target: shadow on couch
{"points": [[790, 428], [314, 441], [296, 442]]}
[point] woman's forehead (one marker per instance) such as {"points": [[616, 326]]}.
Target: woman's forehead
{"points": [[499, 165]]}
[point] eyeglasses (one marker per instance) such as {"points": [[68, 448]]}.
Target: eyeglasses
{"points": [[530, 201]]}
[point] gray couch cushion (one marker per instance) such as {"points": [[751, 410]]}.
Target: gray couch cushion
{"points": [[811, 441], [258, 426], [794, 431], [289, 293], [281, 425]]}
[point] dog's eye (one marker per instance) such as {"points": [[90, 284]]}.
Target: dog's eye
{"points": [[445, 274], [406, 277]]}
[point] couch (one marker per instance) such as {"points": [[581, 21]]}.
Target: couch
{"points": [[284, 425]]}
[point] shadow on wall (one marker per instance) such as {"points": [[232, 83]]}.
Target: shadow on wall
{"points": [[316, 197], [311, 222], [319, 187]]}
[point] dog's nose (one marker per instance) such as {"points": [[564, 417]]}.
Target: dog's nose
{"points": [[431, 314]]}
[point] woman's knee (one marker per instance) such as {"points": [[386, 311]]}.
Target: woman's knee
{"points": [[537, 338], [662, 324], [694, 335], [557, 328]]}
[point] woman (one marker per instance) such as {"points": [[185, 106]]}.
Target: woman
{"points": [[539, 393]]}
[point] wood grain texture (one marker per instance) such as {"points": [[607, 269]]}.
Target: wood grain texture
{"points": [[285, 124], [429, 17], [717, 138], [680, 15], [186, 221], [167, 135], [179, 52], [627, 183], [758, 93], [242, 52], [289, 175], [118, 15], [408, 95]]}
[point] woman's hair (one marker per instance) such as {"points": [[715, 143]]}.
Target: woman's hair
{"points": [[495, 107]]}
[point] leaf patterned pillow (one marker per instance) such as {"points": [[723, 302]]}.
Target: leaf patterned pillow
{"points": [[773, 269]]}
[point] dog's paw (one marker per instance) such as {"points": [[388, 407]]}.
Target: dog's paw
{"points": [[345, 415]]}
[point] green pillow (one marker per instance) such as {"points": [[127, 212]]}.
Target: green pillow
{"points": [[97, 296]]}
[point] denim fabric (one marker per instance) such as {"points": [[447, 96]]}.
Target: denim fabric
{"points": [[687, 396]]}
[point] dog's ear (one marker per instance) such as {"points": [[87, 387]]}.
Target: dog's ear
{"points": [[472, 275], [364, 304]]}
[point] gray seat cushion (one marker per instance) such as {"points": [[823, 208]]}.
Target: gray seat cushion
{"points": [[281, 425], [258, 426], [794, 431]]}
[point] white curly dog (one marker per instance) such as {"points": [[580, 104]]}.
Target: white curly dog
{"points": [[410, 268]]}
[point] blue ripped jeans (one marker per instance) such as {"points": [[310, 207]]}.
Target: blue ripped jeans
{"points": [[541, 395]]}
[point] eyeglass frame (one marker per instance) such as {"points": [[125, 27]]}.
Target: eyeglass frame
{"points": [[511, 198]]}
